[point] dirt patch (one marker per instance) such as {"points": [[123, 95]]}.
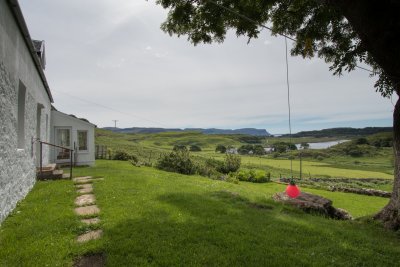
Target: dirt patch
{"points": [[92, 260]]}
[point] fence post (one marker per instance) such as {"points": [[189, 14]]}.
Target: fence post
{"points": [[70, 167]]}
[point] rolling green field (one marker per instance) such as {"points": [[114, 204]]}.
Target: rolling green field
{"points": [[155, 218], [149, 147]]}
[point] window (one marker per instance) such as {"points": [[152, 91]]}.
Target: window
{"points": [[21, 116], [82, 141]]}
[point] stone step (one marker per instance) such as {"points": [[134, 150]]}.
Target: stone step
{"points": [[50, 174]]}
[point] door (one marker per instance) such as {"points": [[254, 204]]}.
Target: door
{"points": [[63, 138]]}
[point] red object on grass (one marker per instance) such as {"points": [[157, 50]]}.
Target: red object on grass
{"points": [[292, 190]]}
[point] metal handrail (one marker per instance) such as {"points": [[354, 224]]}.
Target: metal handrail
{"points": [[49, 144]]}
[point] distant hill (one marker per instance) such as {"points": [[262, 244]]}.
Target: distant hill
{"points": [[335, 132], [143, 130]]}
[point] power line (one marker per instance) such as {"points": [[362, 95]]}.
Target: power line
{"points": [[110, 108], [288, 103]]}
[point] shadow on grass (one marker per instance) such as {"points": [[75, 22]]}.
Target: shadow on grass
{"points": [[224, 229]]}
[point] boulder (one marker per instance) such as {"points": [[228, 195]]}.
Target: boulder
{"points": [[313, 204]]}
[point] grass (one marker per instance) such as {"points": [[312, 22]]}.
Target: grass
{"points": [[153, 218], [314, 169], [148, 147], [42, 229]]}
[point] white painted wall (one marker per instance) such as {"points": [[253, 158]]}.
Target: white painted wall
{"points": [[62, 120], [17, 166]]}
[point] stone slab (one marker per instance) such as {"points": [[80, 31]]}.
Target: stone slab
{"points": [[91, 221], [85, 190], [92, 235], [87, 210], [84, 186], [83, 200], [76, 179]]}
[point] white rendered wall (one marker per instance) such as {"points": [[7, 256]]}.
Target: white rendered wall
{"points": [[59, 119], [17, 166]]}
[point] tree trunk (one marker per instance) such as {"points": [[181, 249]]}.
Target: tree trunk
{"points": [[390, 215], [378, 26]]}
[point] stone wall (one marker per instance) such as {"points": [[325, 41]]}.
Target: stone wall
{"points": [[18, 165]]}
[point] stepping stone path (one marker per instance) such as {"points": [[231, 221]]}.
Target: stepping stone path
{"points": [[87, 199], [86, 206], [96, 234]]}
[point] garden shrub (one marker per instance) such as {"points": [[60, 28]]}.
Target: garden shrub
{"points": [[231, 178], [220, 148], [194, 148], [231, 164], [177, 161], [123, 155], [179, 147], [255, 176]]}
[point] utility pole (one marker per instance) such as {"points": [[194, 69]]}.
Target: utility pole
{"points": [[115, 123]]}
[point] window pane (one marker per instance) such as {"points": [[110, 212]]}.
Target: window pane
{"points": [[82, 140]]}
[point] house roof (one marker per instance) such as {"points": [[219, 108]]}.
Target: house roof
{"points": [[16, 10], [73, 116]]}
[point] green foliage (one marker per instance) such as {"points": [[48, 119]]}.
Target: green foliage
{"points": [[245, 149], [123, 155], [179, 147], [251, 149], [255, 176], [220, 149], [177, 161], [249, 139], [195, 148], [319, 28], [381, 140], [231, 164], [282, 147], [361, 141], [304, 145]]}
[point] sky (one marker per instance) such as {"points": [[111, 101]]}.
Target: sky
{"points": [[109, 60]]}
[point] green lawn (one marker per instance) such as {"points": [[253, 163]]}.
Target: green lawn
{"points": [[155, 218]]}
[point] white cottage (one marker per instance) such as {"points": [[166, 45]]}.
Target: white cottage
{"points": [[72, 132], [25, 112]]}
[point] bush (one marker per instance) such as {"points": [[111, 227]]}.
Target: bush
{"points": [[255, 176], [194, 148], [177, 161], [231, 164], [179, 147], [122, 155], [243, 175], [361, 141], [220, 148], [231, 178], [245, 149]]}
